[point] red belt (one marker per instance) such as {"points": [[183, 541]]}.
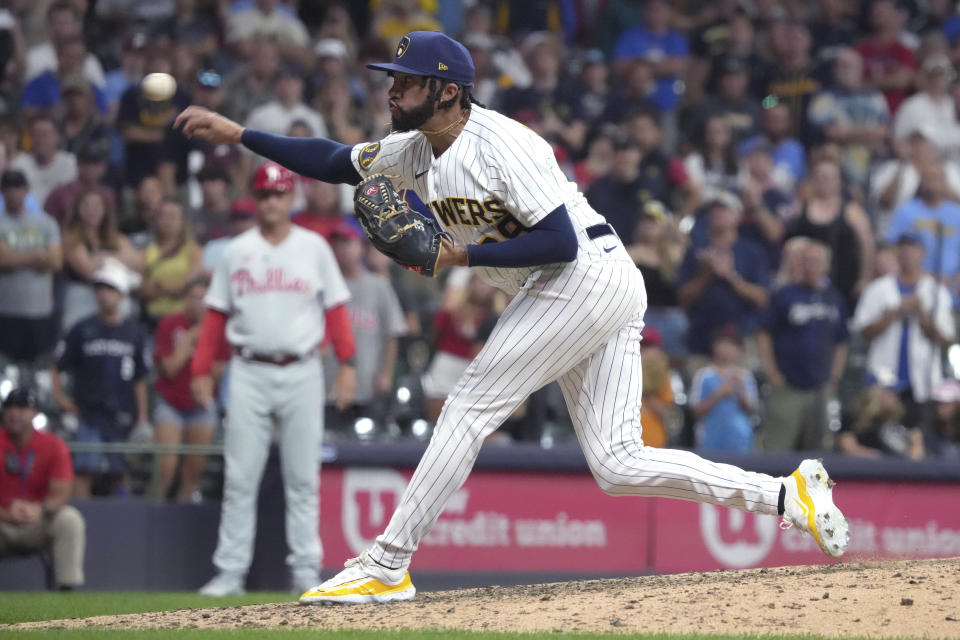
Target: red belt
{"points": [[278, 359]]}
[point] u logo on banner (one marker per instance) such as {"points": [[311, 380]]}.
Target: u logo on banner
{"points": [[731, 539]]}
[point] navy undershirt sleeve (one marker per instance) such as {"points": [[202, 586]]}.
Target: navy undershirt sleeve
{"points": [[550, 240], [317, 158]]}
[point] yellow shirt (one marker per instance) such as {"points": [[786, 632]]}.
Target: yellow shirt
{"points": [[167, 270]]}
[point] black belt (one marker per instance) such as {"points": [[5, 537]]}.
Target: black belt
{"points": [[600, 230], [278, 359]]}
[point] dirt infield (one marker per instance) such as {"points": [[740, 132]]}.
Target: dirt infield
{"points": [[866, 599]]}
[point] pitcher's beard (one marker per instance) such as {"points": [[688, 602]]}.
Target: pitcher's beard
{"points": [[414, 118]]}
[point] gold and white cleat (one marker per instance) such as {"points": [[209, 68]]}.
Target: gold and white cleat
{"points": [[361, 582], [808, 505]]}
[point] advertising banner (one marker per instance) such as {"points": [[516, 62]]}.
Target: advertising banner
{"points": [[561, 522]]}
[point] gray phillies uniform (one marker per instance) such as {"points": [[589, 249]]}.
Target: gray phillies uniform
{"points": [[275, 297], [577, 323]]}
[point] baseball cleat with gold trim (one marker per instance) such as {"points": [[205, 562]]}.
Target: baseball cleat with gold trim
{"points": [[808, 505], [362, 582]]}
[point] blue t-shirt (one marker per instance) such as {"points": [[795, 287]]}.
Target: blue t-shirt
{"points": [[104, 362], [788, 152], [903, 356], [726, 427], [719, 305], [640, 43], [805, 326], [916, 217], [43, 92]]}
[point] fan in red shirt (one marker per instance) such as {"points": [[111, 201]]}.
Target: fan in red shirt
{"points": [[36, 481], [888, 65], [459, 330], [177, 418], [322, 212]]}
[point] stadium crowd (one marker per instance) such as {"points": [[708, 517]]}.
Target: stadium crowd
{"points": [[786, 176]]}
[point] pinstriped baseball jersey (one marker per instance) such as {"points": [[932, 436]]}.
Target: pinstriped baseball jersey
{"points": [[497, 179]]}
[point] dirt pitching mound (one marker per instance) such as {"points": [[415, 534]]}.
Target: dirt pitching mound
{"points": [[918, 599]]}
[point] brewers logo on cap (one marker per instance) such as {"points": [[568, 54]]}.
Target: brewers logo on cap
{"points": [[402, 47]]}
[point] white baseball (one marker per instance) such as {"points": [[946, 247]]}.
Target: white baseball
{"points": [[158, 86]]}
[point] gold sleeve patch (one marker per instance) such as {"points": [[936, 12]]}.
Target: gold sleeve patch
{"points": [[368, 154]]}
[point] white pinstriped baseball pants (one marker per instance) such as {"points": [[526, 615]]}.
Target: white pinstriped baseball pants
{"points": [[578, 324]]}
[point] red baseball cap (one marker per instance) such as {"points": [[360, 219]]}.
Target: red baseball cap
{"points": [[274, 177]]}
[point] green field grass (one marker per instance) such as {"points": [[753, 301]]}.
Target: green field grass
{"points": [[28, 606]]}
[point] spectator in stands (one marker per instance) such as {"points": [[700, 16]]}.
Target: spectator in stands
{"points": [[599, 158], [543, 105], [192, 26], [30, 203], [322, 212], [91, 166], [171, 260], [43, 95], [269, 20], [138, 221], [334, 101], [619, 196], [251, 84], [458, 332], [30, 255], [377, 321], [802, 344], [591, 91], [143, 123], [655, 410], [665, 177], [768, 208], [788, 154], [942, 438], [90, 237], [278, 115], [657, 249], [212, 219], [45, 166], [879, 426], [732, 100], [723, 283], [665, 49], [397, 17], [935, 216], [105, 356], [790, 77], [129, 73], [243, 213], [832, 30], [64, 22], [827, 214], [851, 115], [634, 92], [712, 165], [723, 397], [908, 320], [932, 106], [82, 123], [36, 482], [177, 419], [174, 168], [897, 180], [889, 65]]}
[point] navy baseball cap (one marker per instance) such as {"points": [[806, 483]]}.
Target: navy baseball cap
{"points": [[21, 397], [431, 53]]}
